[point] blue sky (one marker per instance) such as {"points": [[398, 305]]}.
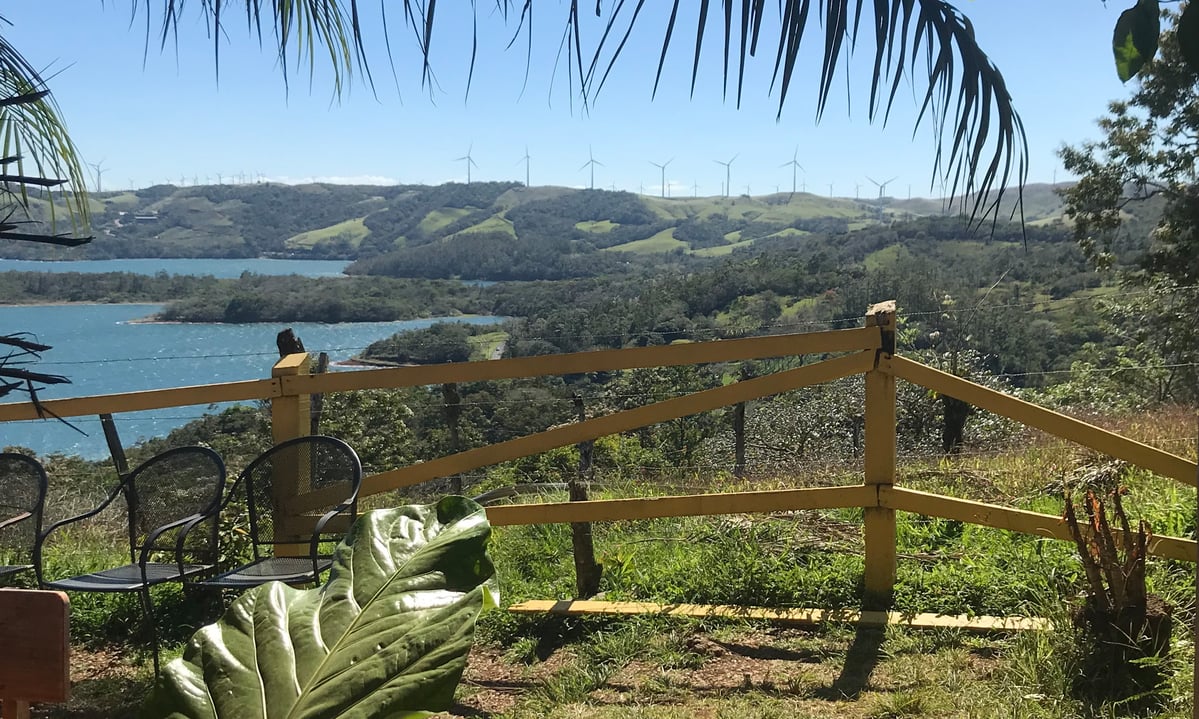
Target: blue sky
{"points": [[170, 117]]}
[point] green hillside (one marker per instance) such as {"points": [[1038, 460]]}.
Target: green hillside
{"points": [[551, 232]]}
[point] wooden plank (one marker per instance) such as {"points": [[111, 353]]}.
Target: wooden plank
{"points": [[690, 505], [849, 340], [879, 465], [148, 399], [35, 646], [786, 615], [1055, 423], [291, 417], [615, 423], [1014, 520]]}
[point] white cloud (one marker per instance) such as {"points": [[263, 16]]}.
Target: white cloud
{"points": [[336, 180]]}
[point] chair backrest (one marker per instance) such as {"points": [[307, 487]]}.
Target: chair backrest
{"points": [[307, 463], [22, 497], [171, 486]]}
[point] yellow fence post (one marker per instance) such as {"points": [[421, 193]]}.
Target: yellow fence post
{"points": [[290, 417], [880, 461]]}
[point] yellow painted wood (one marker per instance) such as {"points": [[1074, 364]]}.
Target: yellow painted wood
{"points": [[879, 466], [149, 399], [1015, 520], [785, 615], [290, 417], [691, 505], [1055, 423], [599, 427], [849, 340]]}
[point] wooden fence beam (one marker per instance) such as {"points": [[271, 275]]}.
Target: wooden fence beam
{"points": [[597, 427], [148, 399], [1055, 423], [850, 340], [785, 615], [693, 505], [1015, 520]]}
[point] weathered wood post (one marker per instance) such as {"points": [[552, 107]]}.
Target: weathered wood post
{"points": [[880, 461], [452, 410], [290, 417], [587, 570], [739, 426]]}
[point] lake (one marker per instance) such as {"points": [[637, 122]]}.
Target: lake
{"points": [[103, 352], [198, 267]]}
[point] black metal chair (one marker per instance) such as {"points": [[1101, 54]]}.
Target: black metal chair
{"points": [[308, 464], [171, 501], [22, 495]]}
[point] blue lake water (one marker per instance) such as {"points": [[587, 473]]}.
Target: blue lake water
{"points": [[216, 268], [102, 352]]}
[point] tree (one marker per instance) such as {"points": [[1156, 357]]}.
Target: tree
{"points": [[1135, 210]]}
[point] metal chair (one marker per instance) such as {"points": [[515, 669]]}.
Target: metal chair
{"points": [[171, 501], [308, 463], [22, 495]]}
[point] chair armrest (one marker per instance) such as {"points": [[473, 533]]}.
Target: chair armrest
{"points": [[196, 519], [45, 533], [148, 547], [13, 520], [314, 547]]}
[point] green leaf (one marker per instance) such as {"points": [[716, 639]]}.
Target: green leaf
{"points": [[1187, 32], [386, 636], [1134, 42]]}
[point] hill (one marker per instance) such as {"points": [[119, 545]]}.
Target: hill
{"points": [[484, 230]]}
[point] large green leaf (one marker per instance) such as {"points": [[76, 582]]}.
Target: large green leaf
{"points": [[386, 636]]}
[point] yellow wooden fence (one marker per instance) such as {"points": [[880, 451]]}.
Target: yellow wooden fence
{"points": [[867, 351]]}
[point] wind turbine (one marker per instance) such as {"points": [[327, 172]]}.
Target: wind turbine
{"points": [[526, 159], [662, 167], [794, 163], [592, 162], [98, 174], [695, 189], [469, 161], [882, 186], [728, 173]]}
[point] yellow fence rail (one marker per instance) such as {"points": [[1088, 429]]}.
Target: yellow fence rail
{"points": [[868, 351]]}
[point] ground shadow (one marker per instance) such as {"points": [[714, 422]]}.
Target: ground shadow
{"points": [[861, 659]]}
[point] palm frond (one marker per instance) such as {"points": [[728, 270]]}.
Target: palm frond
{"points": [[38, 155], [980, 141]]}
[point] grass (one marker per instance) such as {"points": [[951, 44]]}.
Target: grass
{"points": [[598, 227], [483, 346], [495, 223], [442, 217], [353, 230], [596, 668], [659, 243]]}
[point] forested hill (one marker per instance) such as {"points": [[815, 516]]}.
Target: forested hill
{"points": [[483, 230]]}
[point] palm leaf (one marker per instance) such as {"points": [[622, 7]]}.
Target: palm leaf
{"points": [[981, 146], [39, 158]]}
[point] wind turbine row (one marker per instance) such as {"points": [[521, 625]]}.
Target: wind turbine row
{"points": [[664, 190]]}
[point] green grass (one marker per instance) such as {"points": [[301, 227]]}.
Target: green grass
{"points": [[353, 230], [886, 257], [659, 243], [721, 250], [599, 227], [442, 217], [484, 345], [495, 223]]}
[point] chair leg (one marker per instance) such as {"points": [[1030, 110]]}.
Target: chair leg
{"points": [[148, 618]]}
